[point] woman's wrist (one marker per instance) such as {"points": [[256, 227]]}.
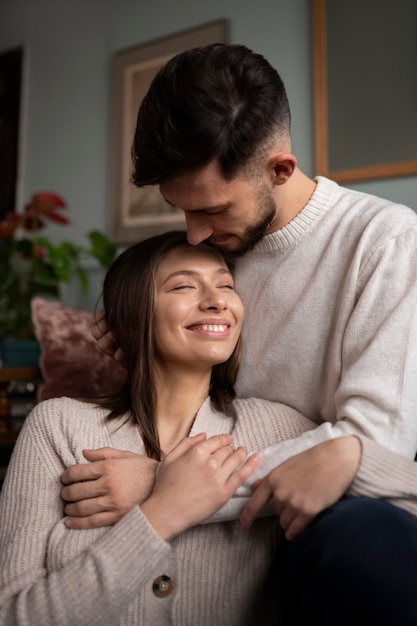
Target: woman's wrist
{"points": [[162, 521]]}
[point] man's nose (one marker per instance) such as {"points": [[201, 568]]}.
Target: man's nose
{"points": [[197, 230]]}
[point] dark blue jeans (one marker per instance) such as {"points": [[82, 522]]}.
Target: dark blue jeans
{"points": [[355, 565]]}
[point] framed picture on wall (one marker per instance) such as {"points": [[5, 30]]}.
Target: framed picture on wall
{"points": [[365, 88], [139, 213]]}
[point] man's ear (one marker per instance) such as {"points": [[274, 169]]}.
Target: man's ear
{"points": [[281, 166]]}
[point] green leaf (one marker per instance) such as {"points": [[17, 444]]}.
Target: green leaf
{"points": [[83, 278], [102, 248], [35, 266]]}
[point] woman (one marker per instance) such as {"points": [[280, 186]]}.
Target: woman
{"points": [[173, 310]]}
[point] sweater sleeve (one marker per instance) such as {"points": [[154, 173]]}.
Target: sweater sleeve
{"points": [[387, 475], [95, 586], [381, 474], [377, 393]]}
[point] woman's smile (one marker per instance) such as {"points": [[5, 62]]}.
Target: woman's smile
{"points": [[215, 328]]}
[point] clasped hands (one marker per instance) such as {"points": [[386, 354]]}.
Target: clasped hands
{"points": [[206, 472], [194, 480]]}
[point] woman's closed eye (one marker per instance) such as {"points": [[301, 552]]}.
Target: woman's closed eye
{"points": [[185, 286], [179, 287], [226, 286]]}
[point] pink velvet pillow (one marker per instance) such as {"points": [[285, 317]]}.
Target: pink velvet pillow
{"points": [[71, 363]]}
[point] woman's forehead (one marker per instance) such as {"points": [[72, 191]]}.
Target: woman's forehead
{"points": [[191, 260], [201, 255]]}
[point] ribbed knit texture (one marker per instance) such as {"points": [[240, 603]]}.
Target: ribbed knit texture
{"points": [[387, 475], [53, 576], [330, 325]]}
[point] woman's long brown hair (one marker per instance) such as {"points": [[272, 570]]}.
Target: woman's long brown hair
{"points": [[129, 301]]}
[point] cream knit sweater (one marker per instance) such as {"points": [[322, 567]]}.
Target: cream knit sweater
{"points": [[53, 576], [331, 319]]}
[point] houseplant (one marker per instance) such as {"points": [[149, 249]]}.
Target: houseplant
{"points": [[31, 265]]}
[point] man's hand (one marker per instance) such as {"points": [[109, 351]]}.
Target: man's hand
{"points": [[104, 338], [101, 492], [306, 484]]}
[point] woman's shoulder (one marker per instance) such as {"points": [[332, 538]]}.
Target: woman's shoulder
{"points": [[61, 428], [63, 407], [59, 416]]}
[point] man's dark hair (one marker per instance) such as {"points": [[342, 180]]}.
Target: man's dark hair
{"points": [[217, 101]]}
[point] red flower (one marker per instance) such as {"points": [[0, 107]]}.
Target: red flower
{"points": [[43, 204], [46, 204], [39, 252]]}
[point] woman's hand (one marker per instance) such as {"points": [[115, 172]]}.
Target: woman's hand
{"points": [[306, 484], [100, 492], [195, 480]]}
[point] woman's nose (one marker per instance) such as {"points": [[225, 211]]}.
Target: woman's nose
{"points": [[214, 300]]}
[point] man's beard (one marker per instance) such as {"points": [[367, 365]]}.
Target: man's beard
{"points": [[267, 209]]}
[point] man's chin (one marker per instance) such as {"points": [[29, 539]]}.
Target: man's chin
{"points": [[229, 246], [232, 250], [235, 246]]}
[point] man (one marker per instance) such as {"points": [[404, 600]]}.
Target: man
{"points": [[328, 278]]}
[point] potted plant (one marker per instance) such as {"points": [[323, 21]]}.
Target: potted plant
{"points": [[30, 265]]}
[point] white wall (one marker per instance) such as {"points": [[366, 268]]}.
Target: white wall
{"points": [[70, 44]]}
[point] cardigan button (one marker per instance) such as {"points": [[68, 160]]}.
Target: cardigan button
{"points": [[162, 586]]}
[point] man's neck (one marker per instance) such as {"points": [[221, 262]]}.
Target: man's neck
{"points": [[291, 198]]}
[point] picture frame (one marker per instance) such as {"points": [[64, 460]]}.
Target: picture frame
{"points": [[135, 214], [365, 89]]}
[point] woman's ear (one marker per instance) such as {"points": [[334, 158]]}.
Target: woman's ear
{"points": [[282, 166]]}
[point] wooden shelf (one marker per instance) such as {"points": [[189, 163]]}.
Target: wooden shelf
{"points": [[7, 374], [8, 435]]}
